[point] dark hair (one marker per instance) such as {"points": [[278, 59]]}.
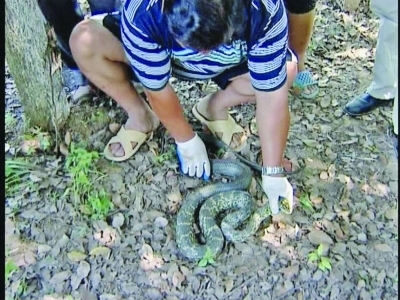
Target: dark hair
{"points": [[203, 24]]}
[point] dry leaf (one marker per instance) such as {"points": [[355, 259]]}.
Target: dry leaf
{"points": [[148, 260], [228, 284], [107, 236], [100, 251], [324, 175], [343, 178], [30, 145], [332, 171], [382, 248], [310, 143], [325, 102], [83, 269], [175, 199], [76, 256], [114, 127], [67, 138], [177, 279], [64, 149]]}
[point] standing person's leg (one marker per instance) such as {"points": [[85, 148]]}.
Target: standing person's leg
{"points": [[63, 17], [385, 76], [301, 15]]}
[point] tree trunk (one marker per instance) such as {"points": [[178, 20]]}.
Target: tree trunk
{"points": [[29, 57]]}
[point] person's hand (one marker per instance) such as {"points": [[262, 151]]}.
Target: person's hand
{"points": [[276, 188], [193, 158]]}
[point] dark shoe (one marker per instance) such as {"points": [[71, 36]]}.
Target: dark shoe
{"points": [[364, 104]]}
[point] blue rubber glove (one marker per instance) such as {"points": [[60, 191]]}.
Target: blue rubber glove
{"points": [[193, 158], [276, 188]]}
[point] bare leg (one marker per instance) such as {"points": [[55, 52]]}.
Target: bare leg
{"points": [[300, 31], [238, 92], [101, 58]]}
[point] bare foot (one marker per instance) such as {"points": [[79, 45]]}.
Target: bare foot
{"points": [[146, 124], [212, 115]]}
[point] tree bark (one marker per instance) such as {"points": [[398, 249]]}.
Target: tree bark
{"points": [[29, 57]]}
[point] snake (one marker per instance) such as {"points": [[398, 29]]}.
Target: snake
{"points": [[241, 216]]}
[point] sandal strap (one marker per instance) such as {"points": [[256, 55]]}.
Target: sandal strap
{"points": [[305, 79]]}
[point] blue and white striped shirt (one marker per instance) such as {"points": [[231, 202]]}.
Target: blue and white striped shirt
{"points": [[154, 54]]}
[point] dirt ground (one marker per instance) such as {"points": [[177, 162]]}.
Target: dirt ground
{"points": [[346, 199]]}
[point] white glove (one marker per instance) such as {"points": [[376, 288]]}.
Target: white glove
{"points": [[276, 187], [193, 158]]}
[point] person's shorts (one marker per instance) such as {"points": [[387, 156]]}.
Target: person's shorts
{"points": [[299, 7], [223, 79], [112, 23]]}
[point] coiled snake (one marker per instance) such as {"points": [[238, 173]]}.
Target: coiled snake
{"points": [[216, 198]]}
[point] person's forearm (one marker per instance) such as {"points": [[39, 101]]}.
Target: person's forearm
{"points": [[166, 106], [273, 120]]}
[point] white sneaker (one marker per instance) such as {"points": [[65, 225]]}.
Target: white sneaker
{"points": [[82, 89], [83, 92]]}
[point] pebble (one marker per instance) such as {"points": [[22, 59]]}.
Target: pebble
{"points": [[317, 275], [160, 222], [362, 237]]}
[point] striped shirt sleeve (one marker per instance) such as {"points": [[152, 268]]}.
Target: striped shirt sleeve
{"points": [[149, 60], [267, 56]]}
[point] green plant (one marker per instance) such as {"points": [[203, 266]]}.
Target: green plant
{"points": [[80, 163], [42, 137], [10, 121], [207, 259], [306, 204], [324, 263], [17, 173], [166, 156], [10, 268], [98, 205]]}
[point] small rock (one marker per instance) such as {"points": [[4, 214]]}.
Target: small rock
{"points": [[109, 297], [339, 248], [43, 249], [391, 214], [290, 271], [160, 222], [317, 237], [362, 237], [334, 293], [372, 229], [60, 277], [360, 284], [87, 295], [118, 220], [364, 295], [153, 294], [317, 275]]}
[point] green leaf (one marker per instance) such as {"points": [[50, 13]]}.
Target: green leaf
{"points": [[326, 262], [320, 250], [203, 262], [208, 255], [211, 261], [321, 266], [312, 257]]}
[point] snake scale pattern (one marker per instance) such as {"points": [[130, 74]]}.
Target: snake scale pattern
{"points": [[212, 200]]}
